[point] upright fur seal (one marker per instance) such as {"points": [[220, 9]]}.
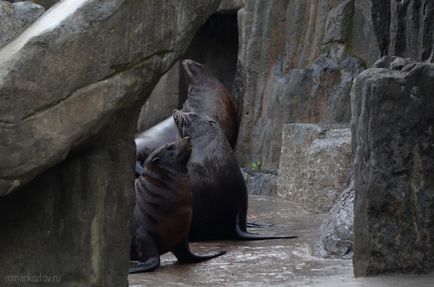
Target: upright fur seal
{"points": [[219, 192], [163, 209], [206, 95]]}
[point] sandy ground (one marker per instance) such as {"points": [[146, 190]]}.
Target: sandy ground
{"points": [[270, 262]]}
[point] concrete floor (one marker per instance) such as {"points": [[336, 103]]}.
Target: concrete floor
{"points": [[270, 262]]}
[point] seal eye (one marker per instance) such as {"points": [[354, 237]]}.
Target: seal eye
{"points": [[212, 122]]}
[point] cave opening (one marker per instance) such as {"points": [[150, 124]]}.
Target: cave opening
{"points": [[215, 45]]}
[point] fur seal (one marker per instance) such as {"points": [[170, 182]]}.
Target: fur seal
{"points": [[206, 95], [163, 209], [219, 191]]}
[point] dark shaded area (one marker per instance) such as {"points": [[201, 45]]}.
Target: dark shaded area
{"points": [[215, 45]]}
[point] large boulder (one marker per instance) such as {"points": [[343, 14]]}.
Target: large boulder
{"points": [[315, 163], [65, 74], [335, 236], [71, 88], [14, 18], [392, 135]]}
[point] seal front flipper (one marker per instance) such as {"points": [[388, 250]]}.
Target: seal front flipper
{"points": [[146, 252], [145, 266], [184, 255]]}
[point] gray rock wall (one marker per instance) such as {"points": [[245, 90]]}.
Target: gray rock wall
{"points": [[294, 66], [297, 60], [392, 130], [396, 28]]}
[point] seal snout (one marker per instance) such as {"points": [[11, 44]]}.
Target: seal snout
{"points": [[188, 64], [194, 71]]}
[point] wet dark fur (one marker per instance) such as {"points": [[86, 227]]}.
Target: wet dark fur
{"points": [[219, 191]]}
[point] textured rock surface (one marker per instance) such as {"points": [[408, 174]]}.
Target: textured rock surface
{"points": [[163, 100], [260, 182], [335, 236], [230, 5], [315, 164], [71, 87], [72, 221], [392, 130], [14, 18], [53, 111], [297, 60], [304, 77], [396, 28]]}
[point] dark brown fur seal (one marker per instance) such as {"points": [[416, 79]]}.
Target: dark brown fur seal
{"points": [[206, 95], [219, 192], [163, 209]]}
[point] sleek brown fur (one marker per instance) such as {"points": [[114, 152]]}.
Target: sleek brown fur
{"points": [[163, 208]]}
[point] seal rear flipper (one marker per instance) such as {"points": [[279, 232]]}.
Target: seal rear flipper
{"points": [[258, 225], [184, 255], [241, 232], [244, 235], [145, 266]]}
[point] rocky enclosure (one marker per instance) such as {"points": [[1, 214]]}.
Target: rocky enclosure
{"points": [[72, 85]]}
